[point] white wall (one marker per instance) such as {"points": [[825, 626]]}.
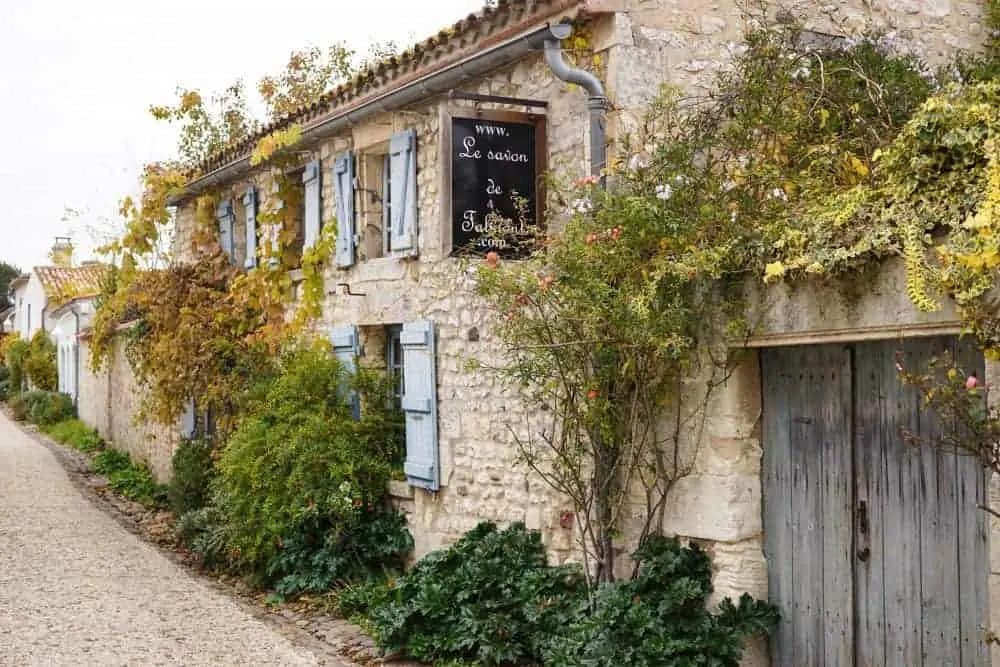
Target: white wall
{"points": [[29, 302]]}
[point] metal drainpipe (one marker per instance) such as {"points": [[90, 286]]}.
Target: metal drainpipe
{"points": [[597, 102]]}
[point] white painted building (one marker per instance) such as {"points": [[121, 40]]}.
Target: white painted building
{"points": [[36, 295], [30, 301], [67, 321]]}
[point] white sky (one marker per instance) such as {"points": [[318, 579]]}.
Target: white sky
{"points": [[77, 79]]}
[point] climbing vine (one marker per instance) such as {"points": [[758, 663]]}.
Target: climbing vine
{"points": [[200, 329], [806, 162]]}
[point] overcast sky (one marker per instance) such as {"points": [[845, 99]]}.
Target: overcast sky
{"points": [[78, 77]]}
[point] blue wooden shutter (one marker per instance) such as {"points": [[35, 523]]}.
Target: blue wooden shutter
{"points": [[420, 405], [310, 178], [250, 210], [346, 349], [224, 216], [403, 194], [343, 182], [188, 420]]}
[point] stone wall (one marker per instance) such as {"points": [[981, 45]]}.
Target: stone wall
{"points": [[109, 402]]}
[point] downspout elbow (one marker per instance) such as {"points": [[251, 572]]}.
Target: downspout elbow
{"points": [[564, 71], [597, 102]]}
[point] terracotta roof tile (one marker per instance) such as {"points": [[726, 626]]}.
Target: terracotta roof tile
{"points": [[71, 282]]}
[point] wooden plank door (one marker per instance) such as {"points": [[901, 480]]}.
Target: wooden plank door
{"points": [[922, 560], [807, 502], [877, 553]]}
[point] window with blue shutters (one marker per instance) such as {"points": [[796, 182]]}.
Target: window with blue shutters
{"points": [[402, 191], [346, 347], [343, 186], [312, 205], [250, 213], [422, 466], [227, 222], [188, 420]]}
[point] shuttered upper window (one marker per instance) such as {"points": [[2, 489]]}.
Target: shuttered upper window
{"points": [[376, 191]]}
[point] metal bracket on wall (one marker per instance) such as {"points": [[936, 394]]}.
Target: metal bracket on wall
{"points": [[496, 99], [347, 290]]}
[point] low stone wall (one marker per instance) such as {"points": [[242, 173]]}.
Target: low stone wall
{"points": [[109, 402]]}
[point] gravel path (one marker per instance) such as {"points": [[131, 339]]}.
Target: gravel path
{"points": [[77, 589]]}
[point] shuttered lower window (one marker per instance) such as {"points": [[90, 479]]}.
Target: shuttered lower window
{"points": [[410, 356], [346, 348], [420, 404]]}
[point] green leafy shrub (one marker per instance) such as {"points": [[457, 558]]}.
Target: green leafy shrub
{"points": [[15, 353], [357, 601], [295, 475], [660, 618], [491, 598], [46, 408], [130, 480], [40, 362], [18, 407], [76, 434], [110, 461], [316, 558], [137, 483], [4, 382], [204, 532], [194, 470]]}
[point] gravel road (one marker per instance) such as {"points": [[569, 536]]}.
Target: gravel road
{"points": [[78, 589]]}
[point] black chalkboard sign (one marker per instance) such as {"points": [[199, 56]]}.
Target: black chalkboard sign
{"points": [[495, 168]]}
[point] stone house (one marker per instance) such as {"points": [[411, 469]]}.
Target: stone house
{"points": [[797, 489]]}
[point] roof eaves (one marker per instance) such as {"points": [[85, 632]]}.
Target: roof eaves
{"points": [[347, 101], [475, 29]]}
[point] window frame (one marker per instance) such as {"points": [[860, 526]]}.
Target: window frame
{"points": [[394, 362]]}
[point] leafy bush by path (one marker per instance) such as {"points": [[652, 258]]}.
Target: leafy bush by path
{"points": [[660, 619], [46, 408], [131, 480], [493, 599], [15, 352], [204, 532], [76, 434], [5, 391], [194, 470], [110, 461], [40, 362], [313, 561], [18, 408], [297, 478]]}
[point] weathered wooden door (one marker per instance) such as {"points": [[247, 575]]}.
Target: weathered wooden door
{"points": [[876, 549]]}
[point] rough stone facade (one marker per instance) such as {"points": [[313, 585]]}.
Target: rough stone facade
{"points": [[642, 44], [109, 402]]}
